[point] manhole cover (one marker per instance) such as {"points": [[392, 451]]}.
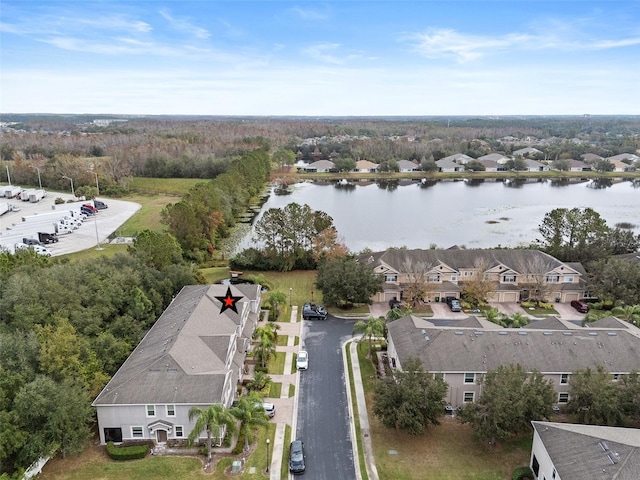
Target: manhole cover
{"points": [[393, 452], [366, 435]]}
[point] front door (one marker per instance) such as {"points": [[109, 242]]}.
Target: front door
{"points": [[161, 436]]}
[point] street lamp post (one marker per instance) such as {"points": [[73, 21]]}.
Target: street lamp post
{"points": [[97, 185], [95, 222], [73, 192], [39, 180], [268, 441], [290, 292]]}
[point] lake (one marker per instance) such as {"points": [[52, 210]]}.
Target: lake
{"points": [[470, 213]]}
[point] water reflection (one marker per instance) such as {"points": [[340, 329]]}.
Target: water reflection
{"points": [[599, 183], [389, 185]]}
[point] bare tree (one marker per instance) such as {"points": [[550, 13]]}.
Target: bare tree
{"points": [[534, 276], [476, 288], [417, 287]]}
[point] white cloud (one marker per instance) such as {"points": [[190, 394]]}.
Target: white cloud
{"points": [[309, 14], [185, 26]]}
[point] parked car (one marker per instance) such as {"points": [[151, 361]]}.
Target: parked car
{"points": [[269, 409], [311, 311], [90, 207], [580, 306], [296, 457], [86, 210], [32, 241], [302, 361], [100, 205], [454, 304]]}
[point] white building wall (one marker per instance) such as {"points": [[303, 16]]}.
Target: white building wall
{"points": [[546, 468]]}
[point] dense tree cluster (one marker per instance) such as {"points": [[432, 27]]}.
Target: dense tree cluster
{"points": [[410, 401], [292, 237], [511, 398], [582, 235], [345, 281], [205, 214], [65, 328]]}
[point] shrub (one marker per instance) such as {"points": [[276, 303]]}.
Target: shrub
{"points": [[58, 201], [522, 473], [126, 452]]}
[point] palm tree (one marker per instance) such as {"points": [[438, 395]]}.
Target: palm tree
{"points": [[264, 350], [630, 313], [259, 382], [494, 316], [372, 327], [519, 320], [213, 418], [276, 299], [250, 412]]}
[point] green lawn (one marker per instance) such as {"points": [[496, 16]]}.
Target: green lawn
{"points": [[447, 451]]}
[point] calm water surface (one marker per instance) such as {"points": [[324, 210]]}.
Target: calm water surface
{"points": [[445, 213]]}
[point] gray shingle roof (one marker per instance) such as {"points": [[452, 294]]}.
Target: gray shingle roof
{"points": [[479, 350], [590, 452], [182, 357]]}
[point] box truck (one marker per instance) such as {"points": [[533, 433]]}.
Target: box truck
{"points": [[36, 196], [11, 191]]}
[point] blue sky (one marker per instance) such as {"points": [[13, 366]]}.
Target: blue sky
{"points": [[320, 58]]}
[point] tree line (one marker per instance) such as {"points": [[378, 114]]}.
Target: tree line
{"points": [[65, 328]]}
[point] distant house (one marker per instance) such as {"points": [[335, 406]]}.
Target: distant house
{"points": [[619, 165], [535, 166], [321, 166], [192, 356], [590, 157], [578, 166], [492, 166], [407, 166], [496, 157], [445, 165], [630, 157], [584, 452], [464, 352], [366, 166], [460, 158], [530, 151]]}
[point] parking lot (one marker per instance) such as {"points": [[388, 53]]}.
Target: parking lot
{"points": [[95, 229]]}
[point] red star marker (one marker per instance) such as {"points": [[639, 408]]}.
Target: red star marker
{"points": [[229, 301]]}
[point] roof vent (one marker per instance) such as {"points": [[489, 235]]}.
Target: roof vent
{"points": [[522, 333], [568, 334], [503, 333], [478, 333], [548, 333], [612, 334], [593, 334], [603, 445], [613, 457], [458, 332]]}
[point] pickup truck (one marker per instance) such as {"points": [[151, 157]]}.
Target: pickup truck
{"points": [[311, 311], [47, 237]]}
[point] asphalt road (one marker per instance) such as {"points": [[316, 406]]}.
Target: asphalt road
{"points": [[323, 418]]}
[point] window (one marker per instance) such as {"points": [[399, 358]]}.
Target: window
{"points": [[553, 474], [433, 278], [390, 278], [179, 432], [469, 378], [564, 379], [563, 397], [151, 410], [454, 278], [171, 410], [615, 377], [469, 397], [136, 432], [569, 278], [535, 466], [113, 435], [509, 279], [553, 278]]}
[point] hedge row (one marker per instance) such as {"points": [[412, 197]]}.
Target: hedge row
{"points": [[126, 453]]}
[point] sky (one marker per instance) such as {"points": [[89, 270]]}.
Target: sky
{"points": [[308, 58]]}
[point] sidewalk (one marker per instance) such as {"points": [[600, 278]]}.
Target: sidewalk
{"points": [[286, 407]]}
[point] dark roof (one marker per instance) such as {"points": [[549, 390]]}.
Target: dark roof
{"points": [[182, 359], [515, 259], [459, 349], [591, 452]]}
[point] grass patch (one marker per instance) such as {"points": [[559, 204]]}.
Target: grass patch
{"points": [[282, 340], [276, 364], [540, 311], [215, 274], [94, 464], [163, 186], [301, 282], [108, 250], [355, 311], [275, 390], [447, 451], [284, 469], [356, 419], [292, 390]]}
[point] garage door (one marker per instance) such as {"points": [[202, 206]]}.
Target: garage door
{"points": [[568, 297], [509, 297]]}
